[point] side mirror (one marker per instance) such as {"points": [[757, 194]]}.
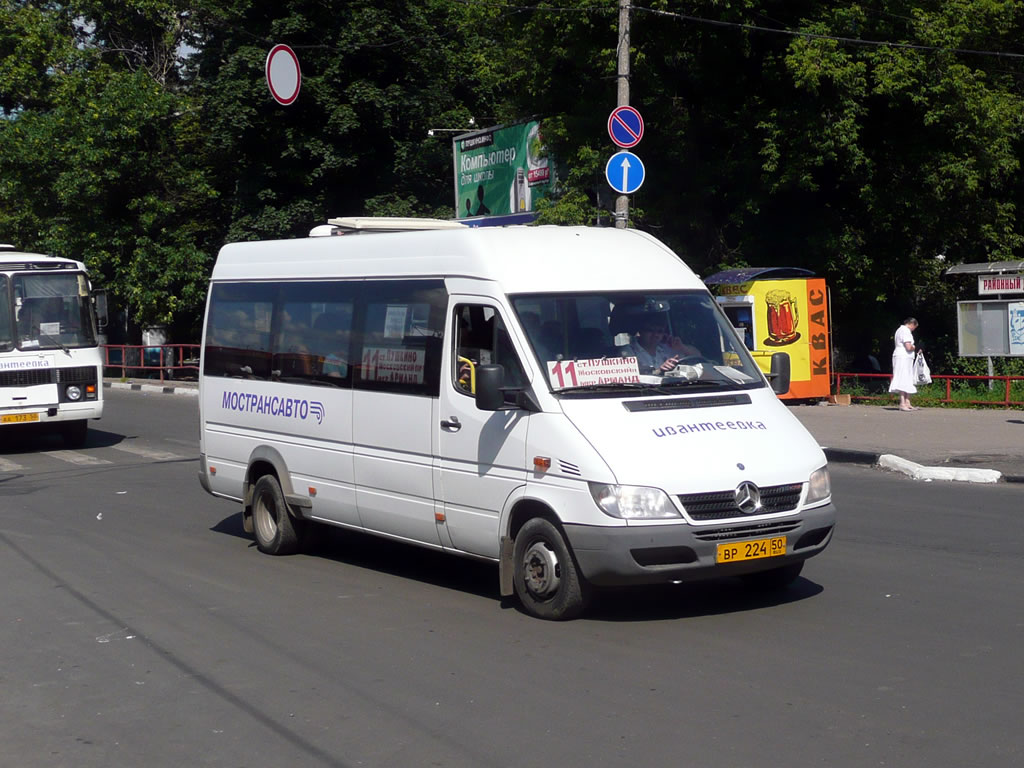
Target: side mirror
{"points": [[99, 298], [489, 381], [779, 377]]}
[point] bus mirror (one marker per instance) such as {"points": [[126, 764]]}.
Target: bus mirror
{"points": [[99, 298], [489, 380], [779, 376]]}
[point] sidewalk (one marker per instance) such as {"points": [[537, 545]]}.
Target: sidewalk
{"points": [[945, 438], [167, 387], [930, 443]]}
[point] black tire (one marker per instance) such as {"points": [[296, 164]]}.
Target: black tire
{"points": [[775, 579], [75, 433], [547, 581], [276, 531]]}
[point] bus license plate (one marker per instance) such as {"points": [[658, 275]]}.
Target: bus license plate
{"points": [[751, 550], [18, 418]]}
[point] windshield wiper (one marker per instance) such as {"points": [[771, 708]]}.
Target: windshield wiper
{"points": [[680, 381], [55, 341], [611, 387]]}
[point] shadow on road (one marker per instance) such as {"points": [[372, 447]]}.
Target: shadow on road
{"points": [[29, 438], [648, 603]]}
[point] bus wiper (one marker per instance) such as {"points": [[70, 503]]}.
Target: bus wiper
{"points": [[55, 341]]}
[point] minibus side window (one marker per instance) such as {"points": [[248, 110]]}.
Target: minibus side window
{"points": [[238, 330], [312, 333], [482, 339], [398, 336]]}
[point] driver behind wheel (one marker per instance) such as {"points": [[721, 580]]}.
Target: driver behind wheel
{"points": [[654, 350]]}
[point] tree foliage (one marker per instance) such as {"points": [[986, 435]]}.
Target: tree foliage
{"points": [[861, 140]]}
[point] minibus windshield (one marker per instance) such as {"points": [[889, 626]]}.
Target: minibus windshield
{"points": [[52, 311], [614, 342]]}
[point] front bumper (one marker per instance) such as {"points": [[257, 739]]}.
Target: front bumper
{"points": [[662, 553]]}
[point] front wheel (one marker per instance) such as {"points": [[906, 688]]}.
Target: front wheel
{"points": [[277, 532], [547, 581]]}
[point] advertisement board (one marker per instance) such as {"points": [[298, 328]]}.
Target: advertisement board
{"points": [[784, 316], [501, 171]]}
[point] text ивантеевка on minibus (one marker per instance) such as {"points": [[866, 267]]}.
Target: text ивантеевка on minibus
{"points": [[51, 366], [569, 402]]}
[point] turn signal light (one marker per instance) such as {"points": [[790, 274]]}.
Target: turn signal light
{"points": [[542, 463]]}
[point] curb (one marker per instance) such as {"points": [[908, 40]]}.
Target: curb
{"points": [[918, 471], [164, 390]]}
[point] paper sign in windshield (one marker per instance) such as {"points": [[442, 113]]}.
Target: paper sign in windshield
{"points": [[588, 373], [394, 364]]}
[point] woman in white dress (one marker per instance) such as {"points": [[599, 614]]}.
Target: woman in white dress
{"points": [[903, 364]]}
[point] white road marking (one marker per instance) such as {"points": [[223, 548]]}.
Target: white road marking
{"points": [[9, 466], [149, 453], [74, 457]]}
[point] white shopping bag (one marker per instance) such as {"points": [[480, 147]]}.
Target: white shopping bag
{"points": [[922, 375]]}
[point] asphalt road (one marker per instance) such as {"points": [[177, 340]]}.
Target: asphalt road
{"points": [[140, 627]]}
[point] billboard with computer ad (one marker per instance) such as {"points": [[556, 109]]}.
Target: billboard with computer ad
{"points": [[502, 171]]}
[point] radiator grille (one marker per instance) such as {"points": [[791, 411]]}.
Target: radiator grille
{"points": [[76, 375], [27, 378], [721, 505], [747, 531], [32, 377]]}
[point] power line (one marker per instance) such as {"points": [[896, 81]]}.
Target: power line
{"points": [[835, 38]]}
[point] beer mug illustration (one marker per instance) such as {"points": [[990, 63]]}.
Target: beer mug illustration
{"points": [[782, 318]]}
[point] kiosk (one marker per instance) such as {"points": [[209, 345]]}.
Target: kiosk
{"points": [[781, 309]]}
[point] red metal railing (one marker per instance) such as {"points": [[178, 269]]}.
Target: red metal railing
{"points": [[927, 393], [144, 360]]}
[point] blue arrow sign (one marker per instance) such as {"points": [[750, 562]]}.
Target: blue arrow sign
{"points": [[625, 126], [625, 172]]}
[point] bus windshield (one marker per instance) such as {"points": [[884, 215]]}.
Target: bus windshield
{"points": [[615, 341], [51, 311]]}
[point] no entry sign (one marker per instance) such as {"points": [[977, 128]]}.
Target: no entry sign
{"points": [[283, 75]]}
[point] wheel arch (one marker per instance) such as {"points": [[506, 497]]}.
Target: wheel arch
{"points": [[266, 460], [518, 513]]}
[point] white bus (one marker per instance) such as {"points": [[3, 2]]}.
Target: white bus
{"points": [[51, 368], [485, 392]]}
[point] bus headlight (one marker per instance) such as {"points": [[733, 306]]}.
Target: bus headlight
{"points": [[73, 392], [819, 487], [633, 502]]}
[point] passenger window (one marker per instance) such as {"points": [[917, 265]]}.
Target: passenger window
{"points": [[482, 339], [399, 338], [312, 340], [238, 330]]}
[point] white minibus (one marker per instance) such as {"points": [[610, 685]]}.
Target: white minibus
{"points": [[51, 367], [567, 402]]}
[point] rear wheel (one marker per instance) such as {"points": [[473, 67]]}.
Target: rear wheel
{"points": [[547, 581], [277, 532], [75, 432], [776, 578]]}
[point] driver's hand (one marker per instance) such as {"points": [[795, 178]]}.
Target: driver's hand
{"points": [[682, 348], [669, 364]]}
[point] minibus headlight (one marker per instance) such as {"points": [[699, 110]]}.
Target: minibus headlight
{"points": [[819, 486], [633, 502], [73, 392]]}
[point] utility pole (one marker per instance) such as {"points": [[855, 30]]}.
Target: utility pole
{"points": [[622, 201]]}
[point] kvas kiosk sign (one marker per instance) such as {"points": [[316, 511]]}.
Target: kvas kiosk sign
{"points": [[990, 285]]}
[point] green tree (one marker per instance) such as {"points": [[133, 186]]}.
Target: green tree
{"points": [[100, 151]]}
